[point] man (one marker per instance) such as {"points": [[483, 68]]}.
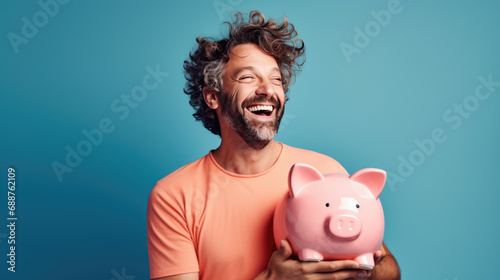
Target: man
{"points": [[212, 219]]}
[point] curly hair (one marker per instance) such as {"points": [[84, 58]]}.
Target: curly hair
{"points": [[206, 64]]}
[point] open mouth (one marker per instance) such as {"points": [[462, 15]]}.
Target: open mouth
{"points": [[261, 110]]}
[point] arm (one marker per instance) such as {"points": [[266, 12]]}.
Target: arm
{"points": [[387, 267], [170, 247], [282, 266]]}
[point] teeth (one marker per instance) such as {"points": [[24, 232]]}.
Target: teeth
{"points": [[260, 108]]}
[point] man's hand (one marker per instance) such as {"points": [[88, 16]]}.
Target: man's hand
{"points": [[386, 266], [281, 266], [380, 254]]}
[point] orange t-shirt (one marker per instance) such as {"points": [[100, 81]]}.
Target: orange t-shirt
{"points": [[202, 218]]}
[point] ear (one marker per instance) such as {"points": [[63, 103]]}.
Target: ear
{"points": [[301, 175], [372, 178], [210, 96]]}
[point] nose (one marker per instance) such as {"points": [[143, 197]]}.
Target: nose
{"points": [[345, 226], [267, 88]]}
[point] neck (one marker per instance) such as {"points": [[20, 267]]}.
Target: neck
{"points": [[238, 157]]}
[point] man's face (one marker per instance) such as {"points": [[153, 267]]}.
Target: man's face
{"points": [[252, 97]]}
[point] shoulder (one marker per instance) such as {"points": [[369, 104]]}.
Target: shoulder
{"points": [[323, 163], [180, 179]]}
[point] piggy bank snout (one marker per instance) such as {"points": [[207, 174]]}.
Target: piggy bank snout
{"points": [[344, 226]]}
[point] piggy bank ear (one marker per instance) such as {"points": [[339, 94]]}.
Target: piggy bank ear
{"points": [[301, 175], [372, 178]]}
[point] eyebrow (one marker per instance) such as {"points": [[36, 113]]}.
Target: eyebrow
{"points": [[251, 68]]}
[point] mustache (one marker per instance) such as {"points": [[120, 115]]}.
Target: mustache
{"points": [[262, 99]]}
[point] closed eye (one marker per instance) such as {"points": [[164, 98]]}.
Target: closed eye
{"points": [[276, 81], [245, 78]]}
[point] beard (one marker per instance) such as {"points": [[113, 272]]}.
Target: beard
{"points": [[257, 134]]}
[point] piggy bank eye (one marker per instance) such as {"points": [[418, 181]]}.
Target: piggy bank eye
{"points": [[327, 204], [357, 205]]}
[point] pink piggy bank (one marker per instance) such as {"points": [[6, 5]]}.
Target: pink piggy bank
{"points": [[332, 216]]}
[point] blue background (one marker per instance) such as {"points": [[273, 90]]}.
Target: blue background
{"points": [[441, 212]]}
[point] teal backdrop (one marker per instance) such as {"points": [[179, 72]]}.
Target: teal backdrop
{"points": [[93, 114]]}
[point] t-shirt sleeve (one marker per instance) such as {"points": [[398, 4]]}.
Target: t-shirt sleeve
{"points": [[339, 168], [327, 164], [170, 245]]}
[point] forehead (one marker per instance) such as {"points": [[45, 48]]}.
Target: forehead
{"points": [[245, 55]]}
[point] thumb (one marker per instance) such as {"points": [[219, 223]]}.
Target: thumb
{"points": [[378, 256], [285, 250]]}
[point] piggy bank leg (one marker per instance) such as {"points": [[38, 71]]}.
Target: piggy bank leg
{"points": [[310, 255], [365, 261]]}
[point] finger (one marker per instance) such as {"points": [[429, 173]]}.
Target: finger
{"points": [[383, 248], [343, 274], [328, 266], [378, 256], [285, 250]]}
